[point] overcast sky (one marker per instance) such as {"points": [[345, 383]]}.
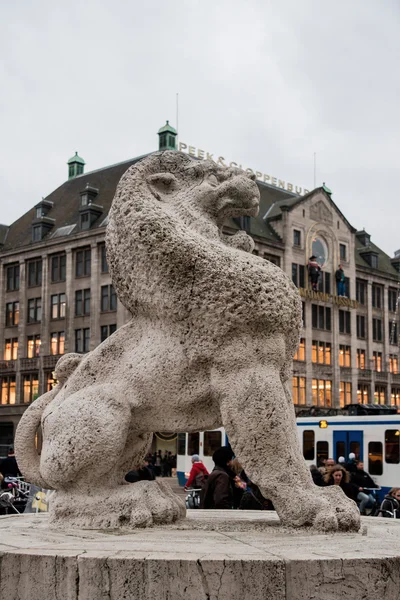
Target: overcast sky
{"points": [[265, 83]]}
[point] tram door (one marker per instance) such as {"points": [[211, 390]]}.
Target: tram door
{"points": [[345, 442]]}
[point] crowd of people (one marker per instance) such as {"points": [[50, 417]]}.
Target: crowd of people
{"points": [[227, 486], [155, 464], [356, 483]]}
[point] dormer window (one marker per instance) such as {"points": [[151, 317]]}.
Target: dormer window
{"points": [[371, 258], [89, 210], [374, 261], [363, 237], [42, 222], [85, 221], [37, 233]]}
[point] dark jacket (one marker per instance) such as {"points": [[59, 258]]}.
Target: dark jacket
{"points": [[362, 479], [9, 467], [349, 489], [313, 269], [317, 477], [389, 507], [143, 474], [218, 490], [339, 275]]}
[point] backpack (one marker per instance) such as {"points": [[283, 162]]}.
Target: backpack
{"points": [[200, 481]]}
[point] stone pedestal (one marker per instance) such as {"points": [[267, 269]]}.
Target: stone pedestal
{"points": [[211, 555]]}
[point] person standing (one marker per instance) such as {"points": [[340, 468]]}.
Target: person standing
{"points": [[314, 270], [340, 281]]}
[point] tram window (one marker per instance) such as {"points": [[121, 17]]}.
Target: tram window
{"points": [[392, 449], [375, 458], [308, 445], [340, 450], [212, 441], [355, 448], [322, 452], [193, 443], [181, 446]]}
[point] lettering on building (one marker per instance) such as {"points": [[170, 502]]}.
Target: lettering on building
{"points": [[321, 297], [220, 160]]}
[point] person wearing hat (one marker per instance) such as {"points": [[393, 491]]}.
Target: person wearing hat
{"points": [[197, 473], [314, 270], [351, 465], [220, 485]]}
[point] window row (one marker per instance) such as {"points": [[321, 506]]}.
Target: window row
{"points": [[377, 295], [57, 342], [298, 278], [58, 305], [321, 354], [30, 389], [58, 268], [364, 395], [320, 451], [322, 393]]}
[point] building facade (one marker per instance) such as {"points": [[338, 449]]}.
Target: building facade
{"points": [[57, 295]]}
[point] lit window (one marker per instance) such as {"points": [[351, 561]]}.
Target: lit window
{"points": [[344, 356], [363, 393], [31, 388], [345, 393], [360, 359], [301, 351], [299, 390], [322, 392]]}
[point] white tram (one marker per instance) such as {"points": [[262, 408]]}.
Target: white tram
{"points": [[372, 432]]}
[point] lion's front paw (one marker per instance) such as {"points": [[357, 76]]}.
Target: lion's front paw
{"points": [[345, 510], [239, 240], [325, 509]]}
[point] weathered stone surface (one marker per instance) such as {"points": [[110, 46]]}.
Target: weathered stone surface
{"points": [[211, 555], [211, 343]]}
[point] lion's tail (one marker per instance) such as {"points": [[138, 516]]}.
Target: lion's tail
{"points": [[25, 437]]}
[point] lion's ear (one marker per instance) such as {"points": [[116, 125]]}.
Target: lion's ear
{"points": [[162, 184]]}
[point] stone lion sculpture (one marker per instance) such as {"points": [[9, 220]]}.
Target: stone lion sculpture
{"points": [[210, 343]]}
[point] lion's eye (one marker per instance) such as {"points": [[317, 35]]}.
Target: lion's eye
{"points": [[212, 180]]}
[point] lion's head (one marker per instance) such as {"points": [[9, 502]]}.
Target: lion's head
{"points": [[165, 191]]}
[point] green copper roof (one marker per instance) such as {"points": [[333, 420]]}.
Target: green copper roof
{"points": [[326, 189], [77, 159], [167, 128]]}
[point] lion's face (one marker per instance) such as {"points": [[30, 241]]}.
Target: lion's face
{"points": [[204, 188], [222, 192]]}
